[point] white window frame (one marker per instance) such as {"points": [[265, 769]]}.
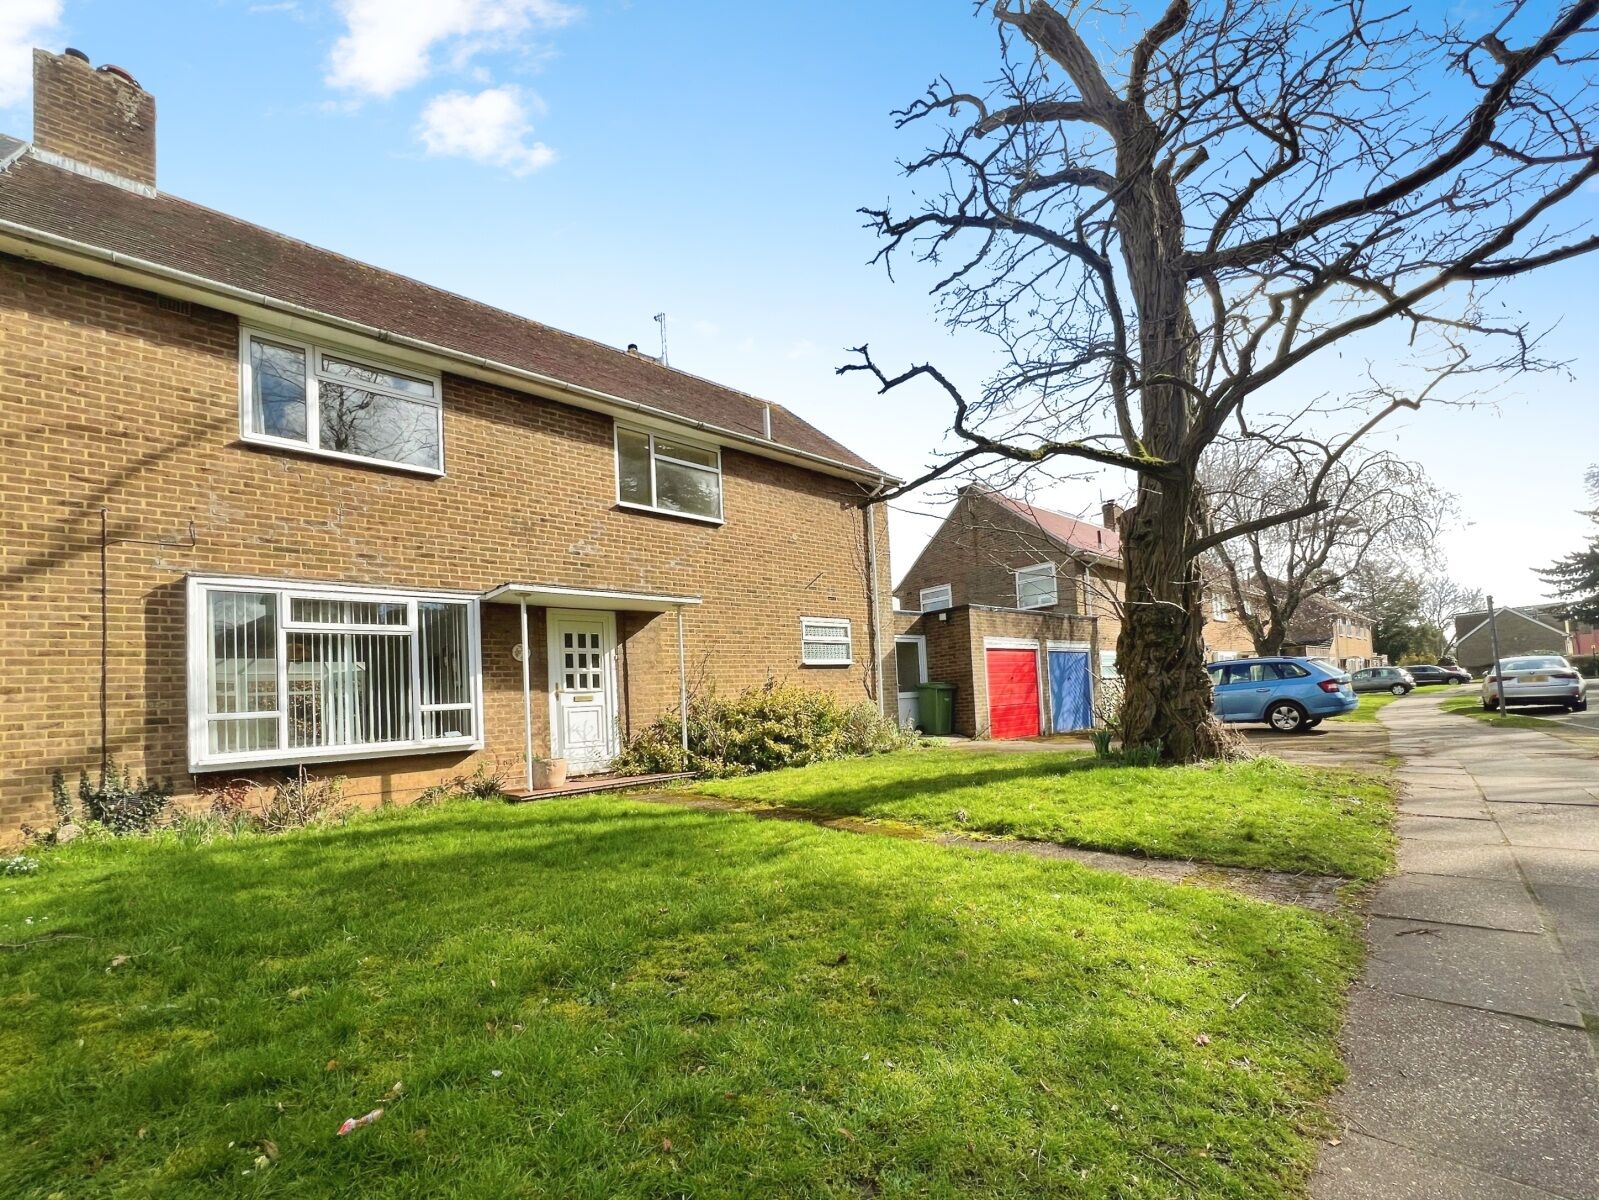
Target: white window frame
{"points": [[314, 373], [1032, 570], [843, 634], [944, 589], [1218, 607], [200, 587], [644, 431]]}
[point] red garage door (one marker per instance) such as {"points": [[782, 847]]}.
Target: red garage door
{"points": [[1013, 693]]}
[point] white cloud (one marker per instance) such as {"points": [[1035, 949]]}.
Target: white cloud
{"points": [[23, 25], [490, 127], [390, 45]]}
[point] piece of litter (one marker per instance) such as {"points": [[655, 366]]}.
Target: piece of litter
{"points": [[354, 1123], [496, 1074]]}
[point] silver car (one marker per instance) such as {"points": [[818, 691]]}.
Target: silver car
{"points": [[1535, 679]]}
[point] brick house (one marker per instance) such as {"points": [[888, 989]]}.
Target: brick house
{"points": [[1328, 629], [1523, 629], [267, 506], [1020, 607]]}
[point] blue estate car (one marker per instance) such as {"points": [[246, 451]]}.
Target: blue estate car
{"points": [[1288, 694]]}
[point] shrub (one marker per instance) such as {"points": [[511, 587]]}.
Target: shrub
{"points": [[293, 803], [761, 729], [1588, 664], [18, 864], [118, 803]]}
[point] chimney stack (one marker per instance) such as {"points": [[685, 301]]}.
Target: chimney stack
{"points": [[99, 122], [1113, 514]]}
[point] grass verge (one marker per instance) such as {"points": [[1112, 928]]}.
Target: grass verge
{"points": [[1471, 706], [605, 998], [1259, 813]]}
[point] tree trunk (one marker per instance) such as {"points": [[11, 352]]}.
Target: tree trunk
{"points": [[1160, 651]]}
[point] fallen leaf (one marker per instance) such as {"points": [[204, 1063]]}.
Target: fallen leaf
{"points": [[1336, 1142], [846, 1133], [666, 1145], [333, 1065], [1202, 1039], [262, 1162], [269, 1149], [118, 961]]}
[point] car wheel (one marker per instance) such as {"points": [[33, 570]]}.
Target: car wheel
{"points": [[1285, 717], [1312, 722], [1490, 705], [1399, 689]]}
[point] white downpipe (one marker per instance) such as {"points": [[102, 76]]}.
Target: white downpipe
{"points": [[527, 698], [875, 640], [682, 682]]}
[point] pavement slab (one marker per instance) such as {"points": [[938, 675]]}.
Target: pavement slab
{"points": [[1494, 903], [1560, 826], [1476, 862], [1518, 974], [1370, 1168], [1498, 1094]]}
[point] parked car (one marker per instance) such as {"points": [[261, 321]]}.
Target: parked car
{"points": [[1289, 694], [1383, 679], [1435, 674], [1535, 679]]}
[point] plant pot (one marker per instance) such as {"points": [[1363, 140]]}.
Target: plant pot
{"points": [[549, 773]]}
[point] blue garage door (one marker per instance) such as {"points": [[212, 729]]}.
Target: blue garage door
{"points": [[1071, 698]]}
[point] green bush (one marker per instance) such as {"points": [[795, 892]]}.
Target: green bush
{"points": [[1588, 664], [118, 803], [762, 729]]}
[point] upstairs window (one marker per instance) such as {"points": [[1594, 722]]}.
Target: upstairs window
{"points": [[665, 474], [309, 398], [825, 642], [1036, 586], [1218, 608], [287, 673], [934, 598]]}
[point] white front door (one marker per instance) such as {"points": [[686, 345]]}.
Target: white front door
{"points": [[583, 725]]}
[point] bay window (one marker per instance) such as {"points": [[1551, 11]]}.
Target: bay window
{"points": [[310, 398], [286, 673], [661, 472]]}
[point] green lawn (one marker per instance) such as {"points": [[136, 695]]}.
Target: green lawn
{"points": [[601, 998], [1371, 703], [1471, 706], [1260, 813]]}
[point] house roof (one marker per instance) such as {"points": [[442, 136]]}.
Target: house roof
{"points": [[1068, 531], [175, 235]]}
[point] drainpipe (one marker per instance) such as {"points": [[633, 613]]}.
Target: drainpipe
{"points": [[873, 623], [527, 698], [682, 686]]}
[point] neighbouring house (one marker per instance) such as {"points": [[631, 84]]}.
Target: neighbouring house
{"points": [[1328, 629], [1522, 629], [266, 506], [1019, 607]]}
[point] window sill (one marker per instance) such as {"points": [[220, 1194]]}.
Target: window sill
{"points": [[629, 506], [259, 442], [276, 758], [825, 665]]}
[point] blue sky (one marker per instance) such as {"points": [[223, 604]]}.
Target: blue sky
{"points": [[589, 163]]}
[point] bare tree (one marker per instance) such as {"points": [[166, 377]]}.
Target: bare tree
{"points": [[1160, 232], [1377, 508], [1438, 599]]}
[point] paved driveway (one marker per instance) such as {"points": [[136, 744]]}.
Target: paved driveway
{"points": [[1472, 1037]]}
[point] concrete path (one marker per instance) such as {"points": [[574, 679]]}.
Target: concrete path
{"points": [[1472, 1038]]}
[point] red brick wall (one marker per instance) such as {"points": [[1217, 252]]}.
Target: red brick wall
{"points": [[108, 399]]}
